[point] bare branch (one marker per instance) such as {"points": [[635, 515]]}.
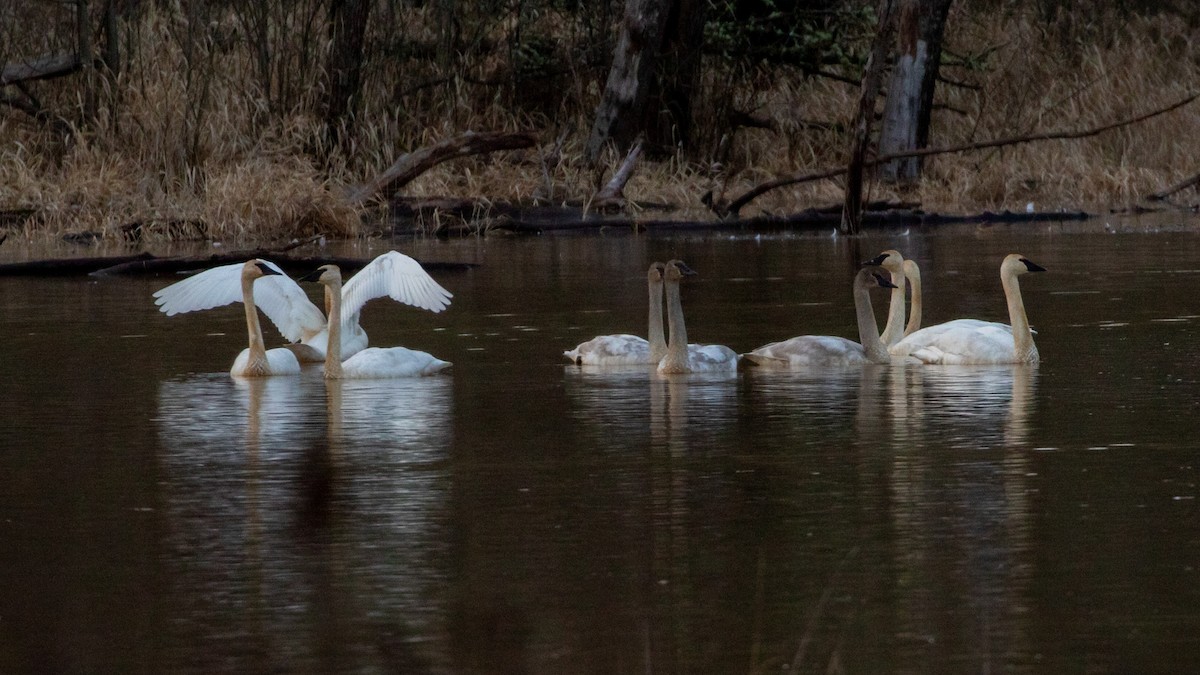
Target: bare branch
{"points": [[737, 204]]}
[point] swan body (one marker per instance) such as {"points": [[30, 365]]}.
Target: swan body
{"points": [[682, 357], [372, 362], [390, 362], [975, 342], [285, 303], [808, 351], [256, 360], [624, 349]]}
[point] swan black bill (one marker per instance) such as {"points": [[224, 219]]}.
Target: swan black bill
{"points": [[1032, 266], [266, 269], [876, 261], [314, 275], [683, 268], [883, 282]]}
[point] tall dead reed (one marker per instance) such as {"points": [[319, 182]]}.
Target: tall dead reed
{"points": [[216, 116]]}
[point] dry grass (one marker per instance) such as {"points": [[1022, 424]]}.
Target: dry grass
{"points": [[199, 139]]}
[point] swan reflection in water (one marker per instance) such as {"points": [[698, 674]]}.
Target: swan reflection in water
{"points": [[280, 496], [981, 407], [959, 503]]}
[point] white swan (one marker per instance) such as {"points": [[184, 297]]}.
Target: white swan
{"points": [[807, 351], [372, 362], [392, 274], [971, 341], [912, 273], [682, 357], [902, 271], [256, 360], [893, 262], [624, 349]]}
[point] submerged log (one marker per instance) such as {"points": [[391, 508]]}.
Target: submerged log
{"points": [[147, 263]]}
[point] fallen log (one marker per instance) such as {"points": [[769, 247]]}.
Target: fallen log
{"points": [[40, 68], [147, 263], [811, 220], [415, 163], [612, 195], [289, 264], [1167, 192]]}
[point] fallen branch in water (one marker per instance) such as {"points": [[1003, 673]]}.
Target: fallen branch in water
{"points": [[137, 263], [735, 206]]}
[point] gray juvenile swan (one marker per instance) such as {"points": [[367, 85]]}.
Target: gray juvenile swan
{"points": [[971, 341], [256, 360], [392, 274], [624, 349], [807, 351], [372, 362], [681, 357]]}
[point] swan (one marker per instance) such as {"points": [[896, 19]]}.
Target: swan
{"points": [[971, 341], [372, 362], [893, 262], [902, 270], [300, 321], [682, 357], [256, 360], [624, 349], [826, 350], [912, 273]]}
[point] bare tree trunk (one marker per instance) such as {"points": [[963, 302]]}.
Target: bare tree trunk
{"points": [[683, 37], [347, 27], [621, 113], [898, 130], [83, 24], [933, 30], [872, 77], [906, 117]]}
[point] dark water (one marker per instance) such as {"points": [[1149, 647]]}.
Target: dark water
{"points": [[519, 515]]}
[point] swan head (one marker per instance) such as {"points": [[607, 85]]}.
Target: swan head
{"points": [[255, 268], [325, 274], [675, 270], [655, 273], [1015, 263], [890, 260]]}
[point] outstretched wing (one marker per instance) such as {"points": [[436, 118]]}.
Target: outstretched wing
{"points": [[398, 277], [280, 298]]}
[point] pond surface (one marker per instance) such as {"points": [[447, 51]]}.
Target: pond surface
{"points": [[522, 515]]}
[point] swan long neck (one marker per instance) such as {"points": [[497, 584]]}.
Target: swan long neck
{"points": [[676, 359], [1023, 348], [868, 329], [258, 351], [914, 314], [655, 335], [333, 350], [894, 330]]}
